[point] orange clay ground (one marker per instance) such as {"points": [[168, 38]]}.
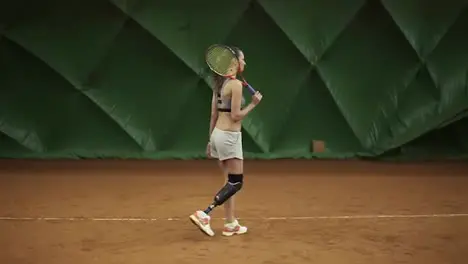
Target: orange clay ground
{"points": [[313, 197]]}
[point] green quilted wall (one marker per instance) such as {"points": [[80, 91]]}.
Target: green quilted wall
{"points": [[123, 78]]}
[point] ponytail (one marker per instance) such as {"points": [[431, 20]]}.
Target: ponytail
{"points": [[218, 82]]}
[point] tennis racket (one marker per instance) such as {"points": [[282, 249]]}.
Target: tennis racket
{"points": [[223, 61]]}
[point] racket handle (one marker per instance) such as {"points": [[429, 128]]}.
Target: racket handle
{"points": [[251, 89]]}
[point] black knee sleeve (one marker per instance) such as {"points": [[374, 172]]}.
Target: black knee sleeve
{"points": [[234, 184]]}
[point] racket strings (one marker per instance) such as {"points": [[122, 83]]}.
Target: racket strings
{"points": [[220, 60]]}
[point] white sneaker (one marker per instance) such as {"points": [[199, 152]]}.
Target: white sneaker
{"points": [[202, 221], [234, 228]]}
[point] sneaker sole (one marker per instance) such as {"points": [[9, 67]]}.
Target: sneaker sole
{"points": [[200, 226], [228, 234]]}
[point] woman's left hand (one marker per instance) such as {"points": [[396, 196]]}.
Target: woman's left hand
{"points": [[207, 151]]}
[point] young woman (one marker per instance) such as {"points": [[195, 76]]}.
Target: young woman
{"points": [[225, 144]]}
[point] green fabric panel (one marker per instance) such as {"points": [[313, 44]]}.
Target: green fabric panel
{"points": [[450, 142], [122, 78], [10, 147], [366, 67], [43, 112], [324, 122], [437, 32]]}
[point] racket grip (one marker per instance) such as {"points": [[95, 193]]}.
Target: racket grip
{"points": [[251, 89]]}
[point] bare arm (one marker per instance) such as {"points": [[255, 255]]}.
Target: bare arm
{"points": [[214, 113], [236, 100]]}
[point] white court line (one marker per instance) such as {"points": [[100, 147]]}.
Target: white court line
{"points": [[138, 219]]}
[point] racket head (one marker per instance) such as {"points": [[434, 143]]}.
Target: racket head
{"points": [[222, 60]]}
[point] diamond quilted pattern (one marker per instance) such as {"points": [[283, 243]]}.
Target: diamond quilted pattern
{"points": [[126, 78], [317, 29], [424, 23]]}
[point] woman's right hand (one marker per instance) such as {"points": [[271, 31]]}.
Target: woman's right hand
{"points": [[256, 98]]}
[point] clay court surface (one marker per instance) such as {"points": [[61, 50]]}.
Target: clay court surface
{"points": [[133, 212]]}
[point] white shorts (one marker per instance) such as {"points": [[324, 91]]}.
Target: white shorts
{"points": [[226, 144]]}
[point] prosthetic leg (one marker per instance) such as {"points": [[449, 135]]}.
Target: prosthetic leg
{"points": [[202, 218]]}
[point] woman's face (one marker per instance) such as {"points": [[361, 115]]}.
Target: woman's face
{"points": [[241, 61]]}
